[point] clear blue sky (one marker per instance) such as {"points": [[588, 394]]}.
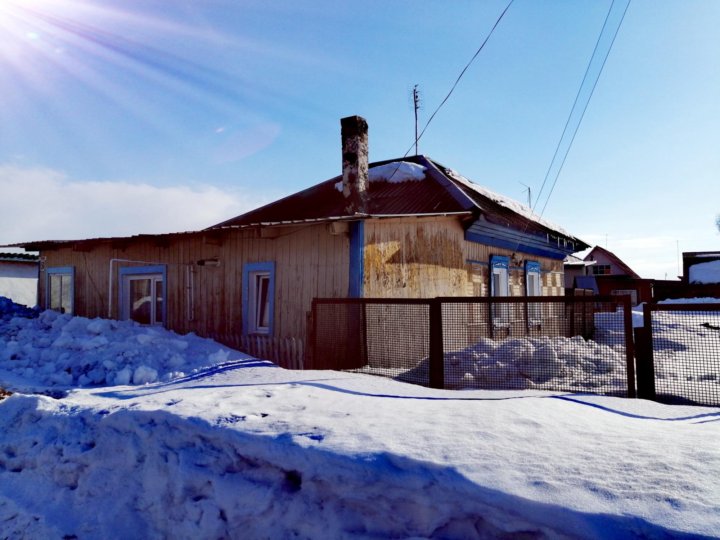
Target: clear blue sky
{"points": [[121, 117]]}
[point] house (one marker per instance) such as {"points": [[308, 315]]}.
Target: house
{"points": [[607, 274], [402, 228], [575, 267], [701, 268], [700, 279], [19, 277]]}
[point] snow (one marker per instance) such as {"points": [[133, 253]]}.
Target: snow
{"points": [[395, 173], [60, 351], [705, 273], [534, 363], [507, 202], [239, 448], [639, 318], [10, 309]]}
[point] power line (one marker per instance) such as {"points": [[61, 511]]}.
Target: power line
{"points": [[482, 45], [587, 102]]}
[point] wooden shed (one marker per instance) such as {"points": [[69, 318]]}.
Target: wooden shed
{"points": [[404, 228]]}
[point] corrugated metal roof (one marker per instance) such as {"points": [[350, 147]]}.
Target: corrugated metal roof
{"points": [[326, 201], [441, 192]]}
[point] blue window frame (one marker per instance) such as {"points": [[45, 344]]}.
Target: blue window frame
{"points": [[500, 286], [533, 287], [499, 275], [60, 289], [142, 294], [533, 284], [258, 298]]}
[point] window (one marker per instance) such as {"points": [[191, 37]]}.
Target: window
{"points": [[601, 270], [533, 287], [499, 286], [258, 298], [60, 289], [142, 294]]}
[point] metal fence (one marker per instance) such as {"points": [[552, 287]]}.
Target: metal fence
{"points": [[552, 343], [678, 358]]}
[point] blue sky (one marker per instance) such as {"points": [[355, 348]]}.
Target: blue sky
{"points": [[121, 117]]}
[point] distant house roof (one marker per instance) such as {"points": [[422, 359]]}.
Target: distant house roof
{"points": [[572, 260], [614, 259], [429, 190], [19, 257]]}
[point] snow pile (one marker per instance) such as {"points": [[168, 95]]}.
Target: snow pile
{"points": [[705, 273], [395, 173], [61, 351], [520, 363], [9, 309], [399, 171]]}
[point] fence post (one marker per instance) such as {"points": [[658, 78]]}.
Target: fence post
{"points": [[629, 344], [644, 356], [436, 360], [309, 360]]}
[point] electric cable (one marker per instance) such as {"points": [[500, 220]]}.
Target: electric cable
{"points": [[482, 45], [587, 102]]}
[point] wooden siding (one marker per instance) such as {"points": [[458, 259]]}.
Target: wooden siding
{"points": [[429, 257], [207, 299]]}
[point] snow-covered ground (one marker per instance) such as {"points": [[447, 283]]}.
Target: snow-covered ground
{"points": [[686, 354], [227, 446]]}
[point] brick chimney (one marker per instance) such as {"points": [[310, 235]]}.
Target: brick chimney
{"points": [[354, 134]]}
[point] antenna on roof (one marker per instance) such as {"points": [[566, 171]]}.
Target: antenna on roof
{"points": [[529, 192], [416, 106]]}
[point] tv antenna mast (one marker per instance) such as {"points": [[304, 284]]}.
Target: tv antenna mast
{"points": [[529, 193], [416, 106]]}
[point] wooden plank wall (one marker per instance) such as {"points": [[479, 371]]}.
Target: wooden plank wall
{"points": [[429, 257], [309, 262]]}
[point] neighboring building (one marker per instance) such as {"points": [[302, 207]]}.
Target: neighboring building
{"points": [[19, 277], [701, 268], [607, 274], [402, 228], [575, 267], [700, 279]]}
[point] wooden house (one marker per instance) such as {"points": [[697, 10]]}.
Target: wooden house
{"points": [[401, 228], [610, 275]]}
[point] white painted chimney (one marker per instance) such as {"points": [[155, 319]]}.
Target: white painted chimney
{"points": [[354, 134]]}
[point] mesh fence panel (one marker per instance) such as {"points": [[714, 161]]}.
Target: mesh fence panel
{"points": [[398, 341], [386, 338], [550, 344], [556, 343], [340, 341], [686, 353]]}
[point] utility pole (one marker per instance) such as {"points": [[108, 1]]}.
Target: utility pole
{"points": [[416, 106]]}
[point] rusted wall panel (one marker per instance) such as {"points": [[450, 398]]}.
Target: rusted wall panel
{"points": [[428, 257]]}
